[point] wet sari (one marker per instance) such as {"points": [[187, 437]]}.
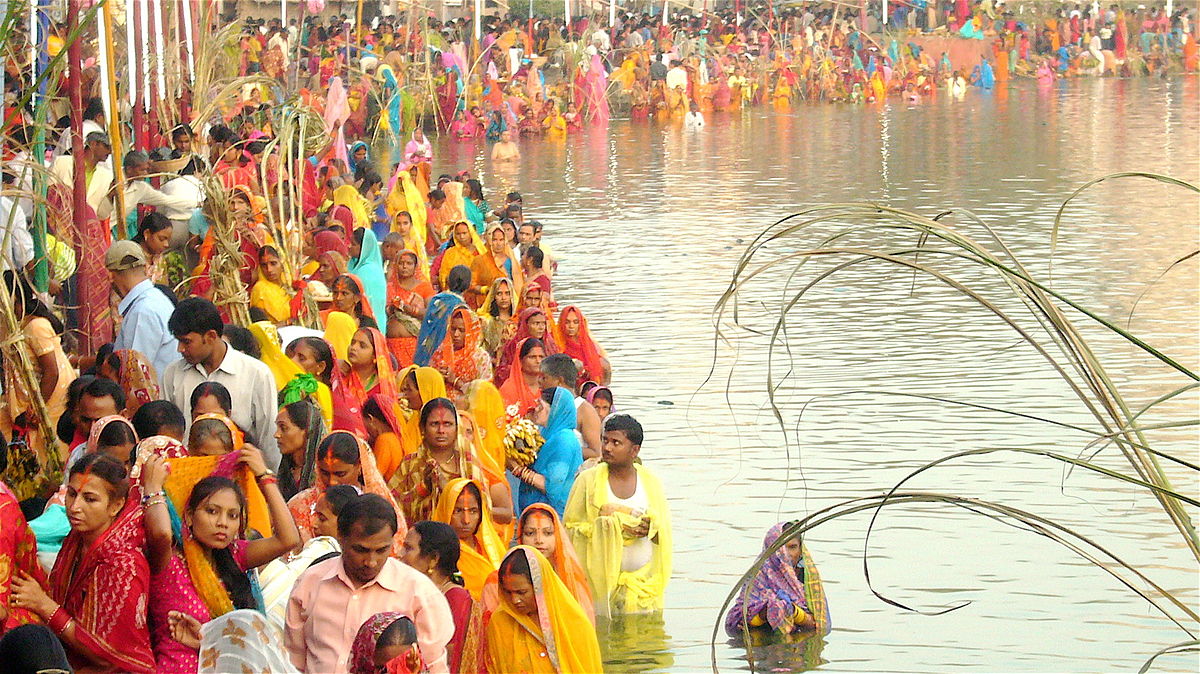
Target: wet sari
{"points": [[780, 593], [479, 557], [561, 640], [303, 506], [104, 587], [350, 391]]}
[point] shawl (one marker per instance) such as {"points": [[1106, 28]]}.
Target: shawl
{"points": [[591, 396], [480, 557], [330, 242], [417, 151], [350, 391], [599, 541], [559, 458], [271, 298], [581, 347], [366, 162], [368, 267], [313, 435], [487, 409], [303, 506], [155, 445], [389, 453], [93, 441], [509, 355], [562, 637], [362, 652], [778, 592], [137, 379], [403, 195], [239, 438], [18, 554], [516, 392], [105, 588], [430, 385], [339, 330], [242, 641], [566, 563], [464, 365], [457, 255], [435, 325]]}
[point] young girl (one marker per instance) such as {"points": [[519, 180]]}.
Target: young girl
{"points": [[204, 575], [214, 435]]}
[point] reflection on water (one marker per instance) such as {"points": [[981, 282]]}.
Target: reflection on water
{"points": [[649, 222], [638, 643], [768, 652]]}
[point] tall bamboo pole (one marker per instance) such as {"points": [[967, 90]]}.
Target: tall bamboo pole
{"points": [[114, 117], [74, 82]]}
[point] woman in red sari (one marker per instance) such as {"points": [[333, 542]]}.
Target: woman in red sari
{"points": [[367, 370], [433, 549], [98, 589], [532, 322], [18, 557], [576, 341], [521, 388]]}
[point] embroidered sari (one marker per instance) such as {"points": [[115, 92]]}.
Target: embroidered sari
{"points": [[471, 362], [558, 640], [104, 588], [18, 554], [137, 379], [479, 557], [417, 482], [781, 593], [362, 651], [303, 506]]}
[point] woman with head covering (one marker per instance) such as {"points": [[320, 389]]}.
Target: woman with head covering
{"points": [[408, 295], [785, 596], [521, 388], [418, 385], [343, 458], [461, 359], [539, 626], [532, 323], [339, 330], [381, 417], [496, 262], [300, 428], [499, 316], [138, 379], [97, 591], [366, 370], [549, 478], [350, 298], [601, 399], [115, 436], [541, 529], [463, 250], [204, 573], [442, 456], [576, 341], [366, 262], [437, 314], [387, 642], [294, 382], [270, 292], [434, 549], [464, 507]]}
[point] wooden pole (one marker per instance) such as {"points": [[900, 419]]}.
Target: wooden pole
{"points": [[114, 117], [75, 96]]}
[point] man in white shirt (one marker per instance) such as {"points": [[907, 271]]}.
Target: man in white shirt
{"points": [[138, 191], [676, 76], [197, 324], [98, 176]]}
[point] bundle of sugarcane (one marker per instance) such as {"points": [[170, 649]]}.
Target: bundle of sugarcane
{"points": [[226, 261]]}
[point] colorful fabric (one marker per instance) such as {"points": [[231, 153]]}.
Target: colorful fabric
{"points": [[581, 347], [350, 391], [469, 363], [242, 641], [778, 594], [559, 458], [562, 641], [104, 587], [435, 325], [516, 391], [417, 484], [511, 350], [98, 426], [600, 541], [565, 561], [339, 330], [368, 267], [271, 298], [155, 445], [430, 385], [138, 380], [479, 557], [486, 407], [18, 554], [362, 653]]}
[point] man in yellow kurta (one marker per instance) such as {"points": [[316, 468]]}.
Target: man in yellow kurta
{"points": [[620, 526]]}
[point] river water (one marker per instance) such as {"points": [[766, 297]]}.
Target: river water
{"points": [[649, 223]]}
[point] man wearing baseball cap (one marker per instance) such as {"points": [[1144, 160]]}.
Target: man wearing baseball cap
{"points": [[144, 308]]}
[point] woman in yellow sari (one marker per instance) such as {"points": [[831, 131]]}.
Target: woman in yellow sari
{"points": [[463, 506], [292, 382], [486, 407], [360, 208], [466, 248], [404, 197], [539, 627], [270, 292], [418, 385]]}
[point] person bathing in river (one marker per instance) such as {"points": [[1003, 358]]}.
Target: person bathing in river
{"points": [[786, 596]]}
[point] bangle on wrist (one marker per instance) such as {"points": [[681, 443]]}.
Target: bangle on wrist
{"points": [[268, 479], [265, 474], [58, 620], [146, 498]]}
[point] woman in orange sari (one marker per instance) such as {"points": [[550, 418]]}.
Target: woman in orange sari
{"points": [[534, 323], [381, 417], [466, 247], [367, 370], [407, 295], [343, 459], [461, 359], [497, 262], [350, 298], [521, 388], [463, 506], [576, 341]]}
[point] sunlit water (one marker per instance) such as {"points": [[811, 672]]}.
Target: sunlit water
{"points": [[649, 222]]}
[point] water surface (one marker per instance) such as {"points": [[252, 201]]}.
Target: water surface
{"points": [[649, 222]]}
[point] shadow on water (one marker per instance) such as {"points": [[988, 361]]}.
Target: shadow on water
{"points": [[773, 652]]}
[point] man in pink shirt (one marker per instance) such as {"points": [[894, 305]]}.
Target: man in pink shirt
{"points": [[331, 600]]}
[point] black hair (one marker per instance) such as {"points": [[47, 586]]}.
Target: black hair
{"points": [[95, 108], [158, 417], [474, 188], [516, 562], [105, 355], [321, 350], [437, 193], [436, 403], [268, 250], [151, 223], [529, 345], [627, 424], [182, 130], [210, 428], [66, 423], [459, 279], [548, 394], [242, 339], [222, 134], [342, 446], [117, 434], [235, 580], [369, 179], [106, 468], [31, 305], [402, 632], [339, 495], [604, 393], [438, 540], [371, 408], [370, 512], [536, 256], [587, 386], [101, 387], [513, 197], [216, 390], [306, 415], [195, 314], [561, 366]]}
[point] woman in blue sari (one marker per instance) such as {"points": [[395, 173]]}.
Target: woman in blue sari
{"points": [[552, 474], [367, 265], [360, 159], [438, 310], [474, 205]]}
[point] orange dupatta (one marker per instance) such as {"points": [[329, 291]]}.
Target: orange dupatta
{"points": [[480, 558]]}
